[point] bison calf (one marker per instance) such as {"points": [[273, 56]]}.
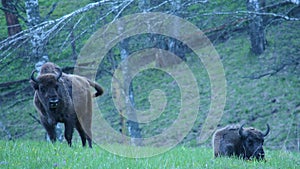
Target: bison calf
{"points": [[64, 98], [246, 143]]}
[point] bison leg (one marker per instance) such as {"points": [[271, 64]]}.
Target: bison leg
{"points": [[69, 129], [89, 141], [50, 131], [81, 133], [227, 150]]}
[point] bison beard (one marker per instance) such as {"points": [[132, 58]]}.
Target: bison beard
{"points": [[64, 98], [246, 143]]}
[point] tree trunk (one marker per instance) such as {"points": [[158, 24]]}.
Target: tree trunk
{"points": [[127, 92], [33, 12], [169, 44], [38, 52], [132, 124], [176, 5], [12, 22], [256, 27]]}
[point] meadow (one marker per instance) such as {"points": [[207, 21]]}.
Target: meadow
{"points": [[259, 89], [33, 154]]}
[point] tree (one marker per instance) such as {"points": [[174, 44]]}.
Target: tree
{"points": [[172, 45], [256, 27], [12, 21], [128, 93], [38, 52]]}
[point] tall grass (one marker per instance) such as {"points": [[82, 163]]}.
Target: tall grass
{"points": [[29, 154]]}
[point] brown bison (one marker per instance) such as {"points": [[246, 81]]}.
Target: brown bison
{"points": [[242, 142], [64, 98]]}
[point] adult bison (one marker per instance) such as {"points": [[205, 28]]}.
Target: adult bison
{"points": [[243, 142], [64, 98]]}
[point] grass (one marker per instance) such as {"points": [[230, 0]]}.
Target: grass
{"points": [[273, 99], [30, 154]]}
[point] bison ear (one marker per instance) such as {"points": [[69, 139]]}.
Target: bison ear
{"points": [[34, 84], [242, 132]]}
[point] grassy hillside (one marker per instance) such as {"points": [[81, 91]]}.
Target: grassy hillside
{"points": [[273, 99], [30, 154]]}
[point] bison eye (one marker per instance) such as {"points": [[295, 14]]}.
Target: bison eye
{"points": [[250, 142], [42, 89], [56, 87]]}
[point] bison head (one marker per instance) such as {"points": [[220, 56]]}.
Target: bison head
{"points": [[253, 141], [47, 86]]}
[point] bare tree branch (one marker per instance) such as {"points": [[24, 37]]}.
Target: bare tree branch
{"points": [[274, 70], [285, 17], [37, 28], [194, 2], [51, 11], [157, 6], [90, 26], [122, 9], [71, 32], [276, 5], [7, 84]]}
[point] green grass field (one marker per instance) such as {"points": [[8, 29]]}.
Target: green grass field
{"points": [[272, 99], [30, 154]]}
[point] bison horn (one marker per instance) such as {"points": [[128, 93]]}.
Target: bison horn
{"points": [[59, 73], [241, 131], [268, 130], [32, 76]]}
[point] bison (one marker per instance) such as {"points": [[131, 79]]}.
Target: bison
{"points": [[64, 98], [246, 143]]}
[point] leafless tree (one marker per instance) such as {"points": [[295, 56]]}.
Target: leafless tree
{"points": [[38, 40], [256, 27], [12, 21]]}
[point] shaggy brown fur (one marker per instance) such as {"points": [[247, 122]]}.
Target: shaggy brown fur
{"points": [[64, 98], [242, 142]]}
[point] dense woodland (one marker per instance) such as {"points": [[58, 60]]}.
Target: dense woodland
{"points": [[258, 42]]}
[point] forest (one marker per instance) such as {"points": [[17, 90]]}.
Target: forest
{"points": [[173, 71]]}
